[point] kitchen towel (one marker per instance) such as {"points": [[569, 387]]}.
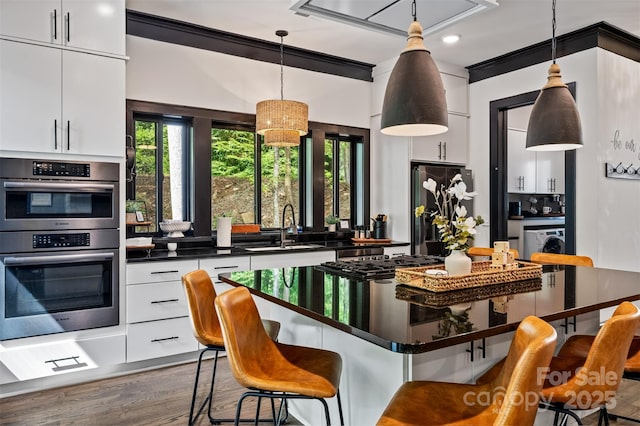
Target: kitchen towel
{"points": [[224, 232]]}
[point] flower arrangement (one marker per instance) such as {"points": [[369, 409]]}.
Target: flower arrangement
{"points": [[456, 229]]}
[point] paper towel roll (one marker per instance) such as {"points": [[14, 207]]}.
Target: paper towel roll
{"points": [[224, 232]]}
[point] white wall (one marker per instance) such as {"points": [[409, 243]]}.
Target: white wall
{"points": [[608, 228], [169, 73]]}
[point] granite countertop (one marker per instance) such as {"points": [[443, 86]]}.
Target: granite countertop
{"points": [[411, 320], [198, 252]]}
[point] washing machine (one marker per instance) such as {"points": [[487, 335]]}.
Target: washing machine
{"points": [[549, 240]]}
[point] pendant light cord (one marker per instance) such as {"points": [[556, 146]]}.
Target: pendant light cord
{"points": [[414, 11], [282, 66], [553, 32]]}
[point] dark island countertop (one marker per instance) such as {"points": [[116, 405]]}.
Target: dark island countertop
{"points": [[410, 320]]}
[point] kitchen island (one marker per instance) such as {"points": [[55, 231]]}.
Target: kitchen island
{"points": [[388, 333]]}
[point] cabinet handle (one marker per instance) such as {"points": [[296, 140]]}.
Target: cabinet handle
{"points": [[445, 152], [164, 272], [554, 185], [165, 338], [68, 25], [55, 24], [226, 267], [68, 135], [66, 367], [55, 134], [440, 151], [165, 301]]}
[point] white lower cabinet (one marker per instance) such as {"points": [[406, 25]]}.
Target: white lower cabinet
{"points": [[156, 339], [158, 323], [216, 266], [289, 259], [64, 356]]}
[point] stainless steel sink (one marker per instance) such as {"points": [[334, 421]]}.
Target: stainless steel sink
{"points": [[285, 248]]}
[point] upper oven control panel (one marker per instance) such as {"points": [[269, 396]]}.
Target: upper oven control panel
{"points": [[61, 240], [54, 168]]}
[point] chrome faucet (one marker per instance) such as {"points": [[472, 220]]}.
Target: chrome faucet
{"points": [[283, 230]]}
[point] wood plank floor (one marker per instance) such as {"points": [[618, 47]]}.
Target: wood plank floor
{"points": [[162, 397]]}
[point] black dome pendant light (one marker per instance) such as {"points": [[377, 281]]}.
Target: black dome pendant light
{"points": [[414, 101], [554, 124]]}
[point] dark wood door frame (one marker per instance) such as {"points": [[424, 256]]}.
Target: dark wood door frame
{"points": [[498, 170]]}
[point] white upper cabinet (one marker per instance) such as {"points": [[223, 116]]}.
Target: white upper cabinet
{"points": [[532, 172], [457, 93], [83, 24], [521, 164], [60, 101], [450, 146], [550, 172]]}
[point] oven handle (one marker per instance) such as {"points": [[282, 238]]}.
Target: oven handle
{"points": [[69, 258], [61, 186]]}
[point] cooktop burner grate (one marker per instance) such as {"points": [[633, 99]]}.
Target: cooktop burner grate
{"points": [[377, 268]]}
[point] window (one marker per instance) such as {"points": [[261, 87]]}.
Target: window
{"points": [[344, 178], [160, 172], [280, 186], [232, 175], [200, 164]]}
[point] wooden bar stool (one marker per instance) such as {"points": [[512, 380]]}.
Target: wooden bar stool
{"points": [[271, 369], [206, 328], [511, 398]]}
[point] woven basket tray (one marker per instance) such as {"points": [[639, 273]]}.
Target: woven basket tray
{"points": [[442, 299], [481, 275]]}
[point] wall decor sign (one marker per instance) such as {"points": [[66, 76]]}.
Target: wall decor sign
{"points": [[626, 147]]}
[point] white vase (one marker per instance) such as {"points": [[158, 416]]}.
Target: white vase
{"points": [[332, 227], [457, 263]]}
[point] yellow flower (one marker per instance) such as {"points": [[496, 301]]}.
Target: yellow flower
{"points": [[419, 211]]}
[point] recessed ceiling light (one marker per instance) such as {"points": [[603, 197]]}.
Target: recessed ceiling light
{"points": [[450, 38]]}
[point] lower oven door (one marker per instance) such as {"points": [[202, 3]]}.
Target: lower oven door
{"points": [[53, 293]]}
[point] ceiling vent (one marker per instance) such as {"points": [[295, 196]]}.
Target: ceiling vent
{"points": [[390, 16]]}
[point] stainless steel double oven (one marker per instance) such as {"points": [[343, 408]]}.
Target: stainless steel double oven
{"points": [[59, 239]]}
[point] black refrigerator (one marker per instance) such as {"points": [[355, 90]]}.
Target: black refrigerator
{"points": [[424, 235]]}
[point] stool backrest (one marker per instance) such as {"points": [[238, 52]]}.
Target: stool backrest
{"points": [[249, 348], [561, 259], [516, 389], [201, 296], [486, 251], [602, 371]]}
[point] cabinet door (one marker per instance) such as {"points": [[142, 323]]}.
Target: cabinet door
{"points": [[84, 24], [550, 172], [216, 266], [450, 147], [38, 20], [89, 25], [93, 116], [456, 89], [30, 83], [521, 164]]}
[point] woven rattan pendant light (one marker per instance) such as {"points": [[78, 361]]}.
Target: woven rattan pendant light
{"points": [[414, 101], [554, 124], [282, 122]]}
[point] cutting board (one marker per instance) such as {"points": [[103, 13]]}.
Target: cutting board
{"points": [[371, 240]]}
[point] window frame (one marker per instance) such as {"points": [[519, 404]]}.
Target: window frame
{"points": [[203, 120]]}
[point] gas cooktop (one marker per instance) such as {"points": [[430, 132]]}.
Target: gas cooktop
{"points": [[377, 267]]}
